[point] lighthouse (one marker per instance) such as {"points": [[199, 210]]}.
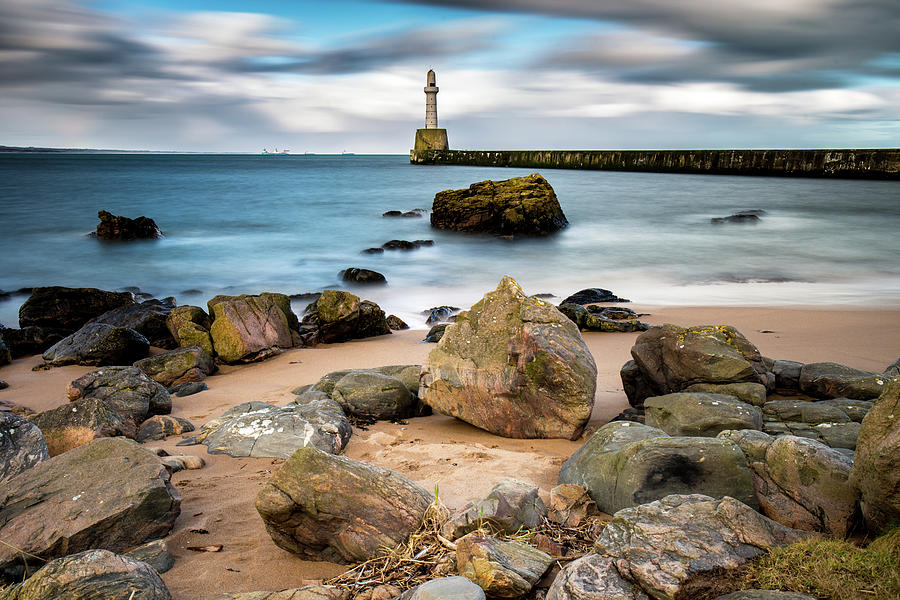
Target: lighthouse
{"points": [[431, 137]]}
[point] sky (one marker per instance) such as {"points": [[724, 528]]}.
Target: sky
{"points": [[347, 75]]}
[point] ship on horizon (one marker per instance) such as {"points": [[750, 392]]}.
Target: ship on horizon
{"points": [[275, 151]]}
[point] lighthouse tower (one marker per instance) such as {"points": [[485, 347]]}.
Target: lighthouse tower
{"points": [[431, 137]]}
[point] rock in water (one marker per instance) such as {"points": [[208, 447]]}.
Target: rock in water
{"points": [[126, 389], [110, 494], [67, 309], [876, 466], [113, 227], [98, 344], [182, 365], [92, 575], [359, 275], [521, 205], [326, 507], [189, 325], [512, 365], [21, 446], [249, 328]]}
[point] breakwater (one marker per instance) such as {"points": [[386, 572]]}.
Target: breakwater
{"points": [[877, 163]]}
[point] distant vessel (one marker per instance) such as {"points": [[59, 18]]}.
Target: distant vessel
{"points": [[275, 151], [345, 153]]}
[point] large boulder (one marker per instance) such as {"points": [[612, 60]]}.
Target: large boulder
{"points": [[67, 309], [259, 429], [98, 344], [21, 446], [249, 328], [182, 365], [876, 466], [503, 569], [189, 326], [147, 318], [110, 494], [326, 507], [625, 464], [77, 423], [126, 389], [517, 206], [680, 545], [373, 395], [91, 575], [510, 506], [700, 414], [512, 365], [28, 340], [119, 228], [338, 316], [833, 380]]}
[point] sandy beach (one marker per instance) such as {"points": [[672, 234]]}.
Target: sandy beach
{"points": [[461, 461]]}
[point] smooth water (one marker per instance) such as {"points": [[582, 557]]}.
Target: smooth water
{"points": [[245, 224]]}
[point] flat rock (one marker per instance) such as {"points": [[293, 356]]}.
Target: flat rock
{"points": [[80, 422], [189, 326], [68, 309], [508, 507], [126, 389], [188, 389], [21, 446], [182, 365], [147, 318], [514, 366], [700, 414], [751, 393], [325, 507], [98, 344], [502, 569], [249, 328], [833, 380], [836, 435]]}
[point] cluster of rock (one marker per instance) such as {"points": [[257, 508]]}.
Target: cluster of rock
{"points": [[416, 212], [399, 245]]}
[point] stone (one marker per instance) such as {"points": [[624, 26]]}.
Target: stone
{"points": [[893, 369], [309, 592], [182, 365], [637, 387], [746, 217], [28, 340], [593, 577], [836, 435], [68, 309], [188, 389], [800, 411], [436, 332], [258, 429], [700, 414], [406, 245], [326, 507], [3, 385], [599, 322], [395, 323], [832, 380], [109, 494], [160, 427], [77, 423], [92, 575], [751, 393], [625, 464], [876, 466], [408, 374], [372, 395], [147, 318], [126, 389], [113, 227], [359, 275], [155, 553], [440, 314], [517, 206], [575, 312], [501, 569], [338, 316], [510, 506], [181, 462], [569, 505], [592, 296], [856, 410], [787, 375], [765, 595], [679, 545], [445, 588], [98, 344], [512, 365], [251, 328], [21, 446], [189, 326]]}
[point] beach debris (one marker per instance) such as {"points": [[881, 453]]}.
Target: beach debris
{"points": [[512, 365], [210, 548], [359, 275], [182, 365], [250, 328], [21, 446], [189, 325]]}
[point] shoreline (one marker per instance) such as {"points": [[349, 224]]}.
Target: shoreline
{"points": [[463, 462]]}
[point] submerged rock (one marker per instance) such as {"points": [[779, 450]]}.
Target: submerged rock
{"points": [[592, 296]]}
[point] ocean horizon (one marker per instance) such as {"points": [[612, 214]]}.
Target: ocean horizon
{"points": [[247, 223]]}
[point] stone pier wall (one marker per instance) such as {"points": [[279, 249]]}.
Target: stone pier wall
{"points": [[857, 163]]}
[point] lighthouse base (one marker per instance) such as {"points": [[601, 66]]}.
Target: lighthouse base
{"points": [[431, 139]]}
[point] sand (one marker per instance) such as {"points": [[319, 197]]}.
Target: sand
{"points": [[460, 461]]}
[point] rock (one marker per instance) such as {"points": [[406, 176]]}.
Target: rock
{"points": [[392, 213], [575, 312], [804, 412], [445, 588], [309, 592], [126, 389], [188, 389], [6, 406], [182, 462], [876, 467], [699, 414], [155, 553], [3, 385], [92, 575], [28, 340], [77, 423], [110, 494], [182, 365], [679, 545], [250, 328], [672, 358], [787, 375], [826, 421], [358, 275], [436, 332], [408, 374], [147, 318], [5, 354], [98, 344], [162, 426], [637, 387], [765, 595], [521, 205], [395, 323], [440, 314], [373, 251], [599, 322], [339, 316], [406, 245], [501, 569], [112, 227], [570, 505], [856, 410], [189, 325], [625, 464], [21, 446], [510, 506], [831, 380], [514, 366], [372, 395], [751, 393], [592, 296], [326, 507], [893, 369], [837, 435], [616, 313], [258, 429], [593, 577], [746, 217], [68, 309]]}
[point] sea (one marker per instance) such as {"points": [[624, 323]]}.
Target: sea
{"points": [[250, 223]]}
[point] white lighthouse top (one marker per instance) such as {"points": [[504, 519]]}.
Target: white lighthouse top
{"points": [[431, 82]]}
